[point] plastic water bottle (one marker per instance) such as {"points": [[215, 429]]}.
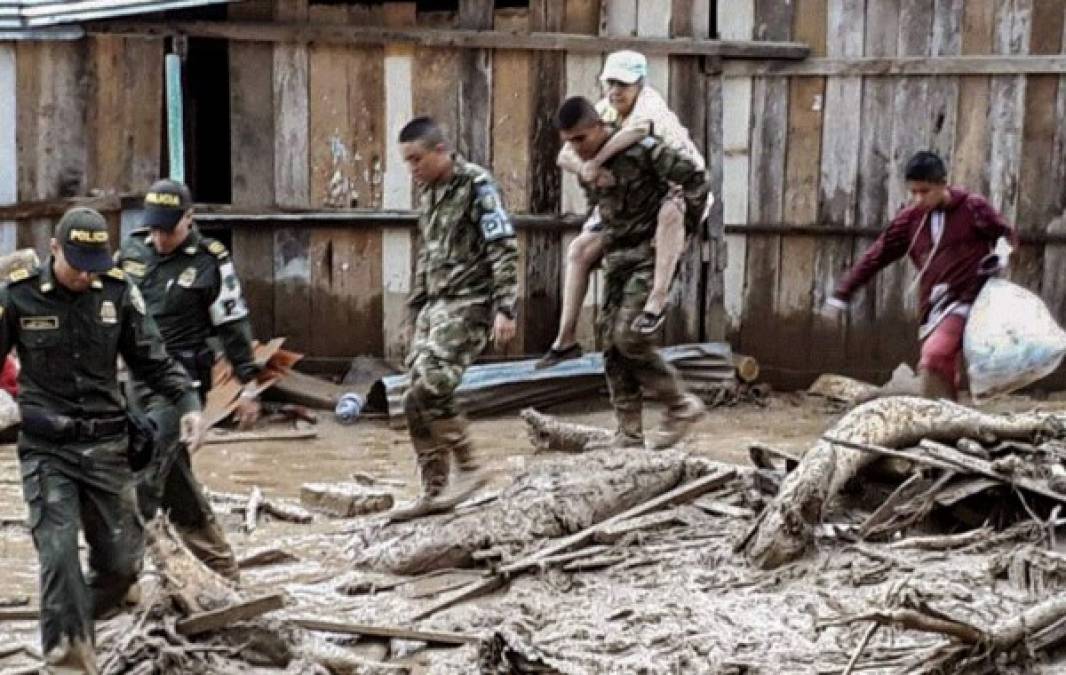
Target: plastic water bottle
{"points": [[348, 407]]}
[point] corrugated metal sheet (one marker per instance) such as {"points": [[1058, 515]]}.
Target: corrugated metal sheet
{"points": [[23, 15], [492, 388]]}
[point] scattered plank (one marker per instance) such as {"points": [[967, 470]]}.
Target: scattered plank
{"points": [[610, 535], [978, 466], [216, 437], [205, 622], [571, 556], [432, 637], [720, 508], [944, 542], [595, 562]]}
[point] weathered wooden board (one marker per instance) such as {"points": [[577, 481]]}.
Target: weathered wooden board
{"points": [[475, 86], [397, 248], [688, 98], [437, 73], [735, 22], [126, 97], [291, 123], [970, 164], [794, 293], [1037, 205], [845, 31], [251, 68], [766, 188], [1012, 24]]}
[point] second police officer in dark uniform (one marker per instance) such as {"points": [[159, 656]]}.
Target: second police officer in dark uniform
{"points": [[69, 319], [191, 289]]}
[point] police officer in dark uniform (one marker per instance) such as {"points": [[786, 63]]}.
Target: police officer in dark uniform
{"points": [[70, 318], [192, 292]]}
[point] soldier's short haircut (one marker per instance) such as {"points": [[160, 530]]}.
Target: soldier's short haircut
{"points": [[576, 111], [424, 129], [926, 166]]}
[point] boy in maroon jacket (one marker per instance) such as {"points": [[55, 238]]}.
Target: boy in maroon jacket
{"points": [[949, 234]]}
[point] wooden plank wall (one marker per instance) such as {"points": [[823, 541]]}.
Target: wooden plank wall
{"points": [[315, 126], [1002, 135]]}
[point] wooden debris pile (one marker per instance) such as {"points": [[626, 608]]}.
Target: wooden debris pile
{"points": [[1013, 453]]}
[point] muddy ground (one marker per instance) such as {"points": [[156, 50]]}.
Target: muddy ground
{"points": [[790, 422]]}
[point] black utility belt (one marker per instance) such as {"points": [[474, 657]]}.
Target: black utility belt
{"points": [[64, 429]]}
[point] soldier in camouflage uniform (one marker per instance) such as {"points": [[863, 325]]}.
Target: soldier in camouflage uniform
{"points": [[464, 292], [69, 320], [191, 289], [629, 196]]}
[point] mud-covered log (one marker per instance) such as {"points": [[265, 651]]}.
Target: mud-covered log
{"points": [[787, 524], [194, 587], [552, 500], [547, 433]]}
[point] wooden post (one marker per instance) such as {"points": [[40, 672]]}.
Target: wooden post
{"points": [[476, 86], [735, 22], [8, 151], [396, 248]]}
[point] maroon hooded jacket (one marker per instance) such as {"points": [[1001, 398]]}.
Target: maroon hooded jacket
{"points": [[971, 228]]}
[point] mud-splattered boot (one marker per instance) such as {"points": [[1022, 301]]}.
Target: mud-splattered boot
{"points": [[433, 472], [678, 421], [71, 656], [469, 477], [630, 431], [208, 543]]}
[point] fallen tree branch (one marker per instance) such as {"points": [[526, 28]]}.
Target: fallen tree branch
{"points": [[913, 619]]}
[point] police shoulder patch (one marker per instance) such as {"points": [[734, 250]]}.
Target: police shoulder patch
{"points": [[216, 248], [19, 275], [494, 221]]}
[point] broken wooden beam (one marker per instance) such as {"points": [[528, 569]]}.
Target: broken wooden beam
{"points": [[205, 622], [651, 521], [432, 637]]}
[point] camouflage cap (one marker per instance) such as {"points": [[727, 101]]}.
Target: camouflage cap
{"points": [[82, 233]]}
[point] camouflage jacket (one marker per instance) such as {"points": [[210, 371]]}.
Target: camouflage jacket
{"points": [[68, 342], [640, 177], [467, 248], [192, 293]]}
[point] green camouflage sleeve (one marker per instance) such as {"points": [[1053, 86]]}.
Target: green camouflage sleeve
{"points": [[417, 298], [141, 346], [501, 245], [675, 168]]}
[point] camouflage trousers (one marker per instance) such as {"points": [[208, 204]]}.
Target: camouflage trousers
{"points": [[631, 361], [88, 486], [449, 335], [168, 483]]}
